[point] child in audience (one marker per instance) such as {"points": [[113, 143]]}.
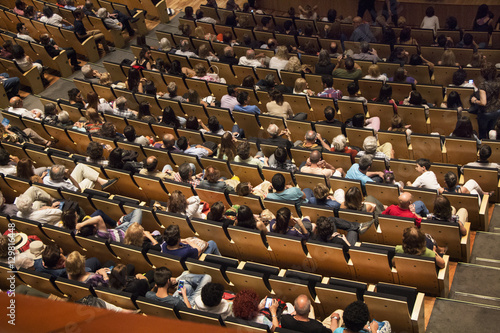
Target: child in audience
{"points": [[427, 179]]}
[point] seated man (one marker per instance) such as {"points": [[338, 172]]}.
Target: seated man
{"points": [[8, 163], [172, 93], [82, 34], [370, 147], [250, 59], [320, 195], [37, 205], [303, 320], [360, 170], [484, 155], [316, 165], [243, 155], [95, 153], [405, 208], [275, 137], [243, 106], [211, 300], [186, 175], [188, 247], [356, 318], [185, 298], [185, 50], [330, 118], [279, 160], [115, 21], [121, 109], [367, 53], [329, 91], [286, 192], [310, 142], [90, 74], [167, 143], [213, 180], [352, 71], [17, 107], [53, 262], [326, 230], [150, 169], [81, 178], [207, 149], [427, 179], [229, 101]]}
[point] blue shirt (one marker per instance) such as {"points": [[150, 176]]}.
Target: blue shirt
{"points": [[200, 152], [354, 173], [293, 194], [38, 265], [186, 251], [248, 109], [327, 202]]}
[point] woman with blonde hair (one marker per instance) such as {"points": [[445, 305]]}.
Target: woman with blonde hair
{"points": [[227, 148], [448, 59], [293, 65], [75, 268], [301, 88], [374, 74], [199, 32], [105, 79], [280, 60]]}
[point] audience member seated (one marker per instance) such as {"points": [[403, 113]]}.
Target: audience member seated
{"points": [[207, 149], [414, 243], [15, 135], [374, 74], [339, 145], [324, 66], [352, 89], [246, 306], [185, 50], [278, 107], [75, 268], [186, 248], [303, 320], [401, 76], [361, 31], [37, 205], [243, 156], [186, 174], [280, 60], [183, 297], [227, 147], [17, 107], [320, 195], [286, 192], [326, 231], [427, 179], [213, 180], [356, 318], [399, 56], [352, 71], [279, 160], [98, 224], [367, 53], [122, 278], [275, 137], [444, 211], [286, 225], [354, 201], [316, 165], [151, 169], [250, 59], [217, 214], [131, 136], [228, 56], [406, 208], [329, 91], [482, 162], [81, 178], [82, 34], [383, 151], [121, 109], [211, 300], [310, 141], [243, 100], [360, 171]]}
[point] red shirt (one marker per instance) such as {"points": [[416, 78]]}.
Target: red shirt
{"points": [[395, 210]]}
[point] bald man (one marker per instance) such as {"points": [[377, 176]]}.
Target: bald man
{"points": [[405, 208], [361, 31], [310, 141], [17, 107], [150, 169], [167, 143], [316, 165], [250, 60], [303, 318], [276, 137]]}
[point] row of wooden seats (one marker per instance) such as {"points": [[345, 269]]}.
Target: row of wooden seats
{"points": [[402, 306], [241, 239]]}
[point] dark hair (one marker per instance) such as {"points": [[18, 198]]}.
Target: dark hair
{"points": [[283, 216], [265, 20], [248, 82], [413, 241], [325, 228], [331, 15], [73, 93], [396, 54], [243, 150], [115, 158], [68, 218], [441, 40], [25, 169], [451, 23], [280, 155], [459, 77], [188, 12], [405, 34], [354, 198], [17, 51], [232, 21], [482, 11], [278, 181], [213, 124], [352, 88], [453, 100], [242, 97], [172, 235], [358, 120], [468, 39], [211, 294], [216, 212], [118, 277], [485, 152], [227, 146], [276, 96], [47, 11], [192, 123], [168, 117], [424, 162], [489, 72], [129, 132], [329, 113], [4, 156], [161, 276], [429, 12], [327, 80], [144, 110], [245, 218], [385, 93], [182, 143], [450, 178], [185, 171], [463, 128], [51, 255], [356, 315], [108, 130], [133, 79], [95, 150], [288, 24], [243, 189], [349, 63], [175, 68], [399, 75], [416, 60], [416, 98]]}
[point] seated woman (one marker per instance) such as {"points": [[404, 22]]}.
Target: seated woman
{"points": [[301, 88], [470, 186], [55, 19], [414, 243], [246, 219], [24, 61], [247, 306], [360, 121], [191, 247], [278, 107], [286, 225], [94, 121], [26, 170], [415, 98], [401, 76], [463, 129], [385, 96], [339, 145], [217, 214], [144, 61], [75, 268], [205, 53], [99, 104], [320, 195], [448, 59], [180, 205], [122, 278], [374, 74], [443, 211], [354, 200], [397, 125], [169, 118], [135, 82], [453, 101], [227, 148], [201, 74]]}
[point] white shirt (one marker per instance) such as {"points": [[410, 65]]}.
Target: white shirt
{"points": [[186, 53], [277, 63], [8, 169], [249, 62], [55, 19], [427, 180], [50, 216], [381, 77], [430, 23]]}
